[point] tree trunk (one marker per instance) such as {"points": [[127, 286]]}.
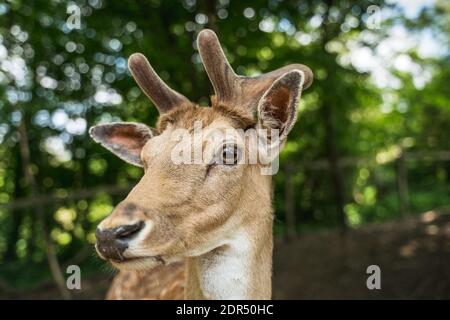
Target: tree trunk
{"points": [[16, 216], [333, 162], [402, 185], [34, 190], [330, 137], [291, 223]]}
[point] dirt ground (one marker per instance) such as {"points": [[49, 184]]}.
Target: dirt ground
{"points": [[413, 255]]}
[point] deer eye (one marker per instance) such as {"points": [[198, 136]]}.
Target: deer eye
{"points": [[228, 155]]}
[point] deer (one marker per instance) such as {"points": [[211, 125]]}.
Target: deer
{"points": [[197, 231]]}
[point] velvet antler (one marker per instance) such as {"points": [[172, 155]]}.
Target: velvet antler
{"points": [[231, 88]]}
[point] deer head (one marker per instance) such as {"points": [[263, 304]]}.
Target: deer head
{"points": [[186, 210]]}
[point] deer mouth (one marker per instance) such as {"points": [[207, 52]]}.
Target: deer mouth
{"points": [[138, 261]]}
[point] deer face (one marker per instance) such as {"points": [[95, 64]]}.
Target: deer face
{"points": [[187, 208]]}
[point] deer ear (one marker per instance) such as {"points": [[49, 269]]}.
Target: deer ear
{"points": [[277, 109], [124, 139]]}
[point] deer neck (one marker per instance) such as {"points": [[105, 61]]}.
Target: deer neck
{"points": [[241, 267]]}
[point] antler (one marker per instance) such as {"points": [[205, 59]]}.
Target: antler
{"points": [[156, 90], [232, 88]]}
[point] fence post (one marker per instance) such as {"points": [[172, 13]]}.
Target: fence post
{"points": [[402, 184]]}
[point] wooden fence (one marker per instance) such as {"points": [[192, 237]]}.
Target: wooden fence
{"points": [[399, 158]]}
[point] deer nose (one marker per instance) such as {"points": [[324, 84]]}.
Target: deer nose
{"points": [[111, 243]]}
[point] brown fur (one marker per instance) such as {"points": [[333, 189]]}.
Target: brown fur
{"points": [[185, 115], [160, 283]]}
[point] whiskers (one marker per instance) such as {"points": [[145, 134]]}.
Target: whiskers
{"points": [[103, 265]]}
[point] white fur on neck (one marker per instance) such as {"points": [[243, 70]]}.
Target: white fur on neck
{"points": [[224, 273]]}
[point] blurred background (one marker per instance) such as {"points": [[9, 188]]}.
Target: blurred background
{"points": [[364, 176]]}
